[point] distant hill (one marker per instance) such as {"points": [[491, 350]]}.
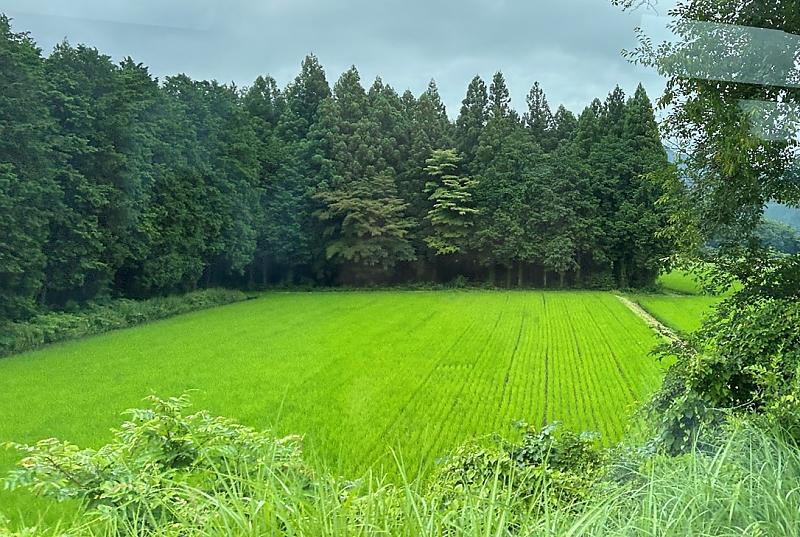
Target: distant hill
{"points": [[781, 213], [774, 211]]}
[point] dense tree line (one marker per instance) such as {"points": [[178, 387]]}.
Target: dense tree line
{"points": [[113, 182]]}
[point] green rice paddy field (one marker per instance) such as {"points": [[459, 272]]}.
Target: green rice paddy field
{"points": [[357, 373], [683, 306], [683, 314]]}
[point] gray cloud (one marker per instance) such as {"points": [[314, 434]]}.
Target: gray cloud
{"points": [[571, 46]]}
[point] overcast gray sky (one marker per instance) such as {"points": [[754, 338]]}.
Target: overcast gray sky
{"points": [[571, 46]]}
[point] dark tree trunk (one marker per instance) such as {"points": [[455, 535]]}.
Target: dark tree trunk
{"points": [[623, 275], [520, 274], [421, 270], [264, 271], [544, 278]]}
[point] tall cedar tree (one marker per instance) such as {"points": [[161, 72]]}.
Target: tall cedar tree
{"points": [[306, 167], [539, 119], [91, 230], [564, 125], [278, 229], [472, 120], [229, 169], [505, 154], [28, 192], [431, 129], [176, 225], [365, 220]]}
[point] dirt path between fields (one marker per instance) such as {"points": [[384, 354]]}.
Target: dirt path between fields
{"points": [[651, 321]]}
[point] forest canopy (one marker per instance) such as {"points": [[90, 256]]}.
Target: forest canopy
{"points": [[115, 183]]}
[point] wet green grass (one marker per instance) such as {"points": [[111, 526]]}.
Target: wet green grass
{"points": [[679, 281], [684, 314], [682, 305]]}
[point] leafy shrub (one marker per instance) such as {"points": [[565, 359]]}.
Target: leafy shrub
{"points": [[171, 475], [744, 360], [163, 467], [166, 469], [52, 327], [600, 281], [547, 469], [459, 282]]}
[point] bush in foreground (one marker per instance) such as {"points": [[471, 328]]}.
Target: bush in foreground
{"points": [[745, 360], [98, 318], [167, 474], [163, 468], [549, 468]]}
